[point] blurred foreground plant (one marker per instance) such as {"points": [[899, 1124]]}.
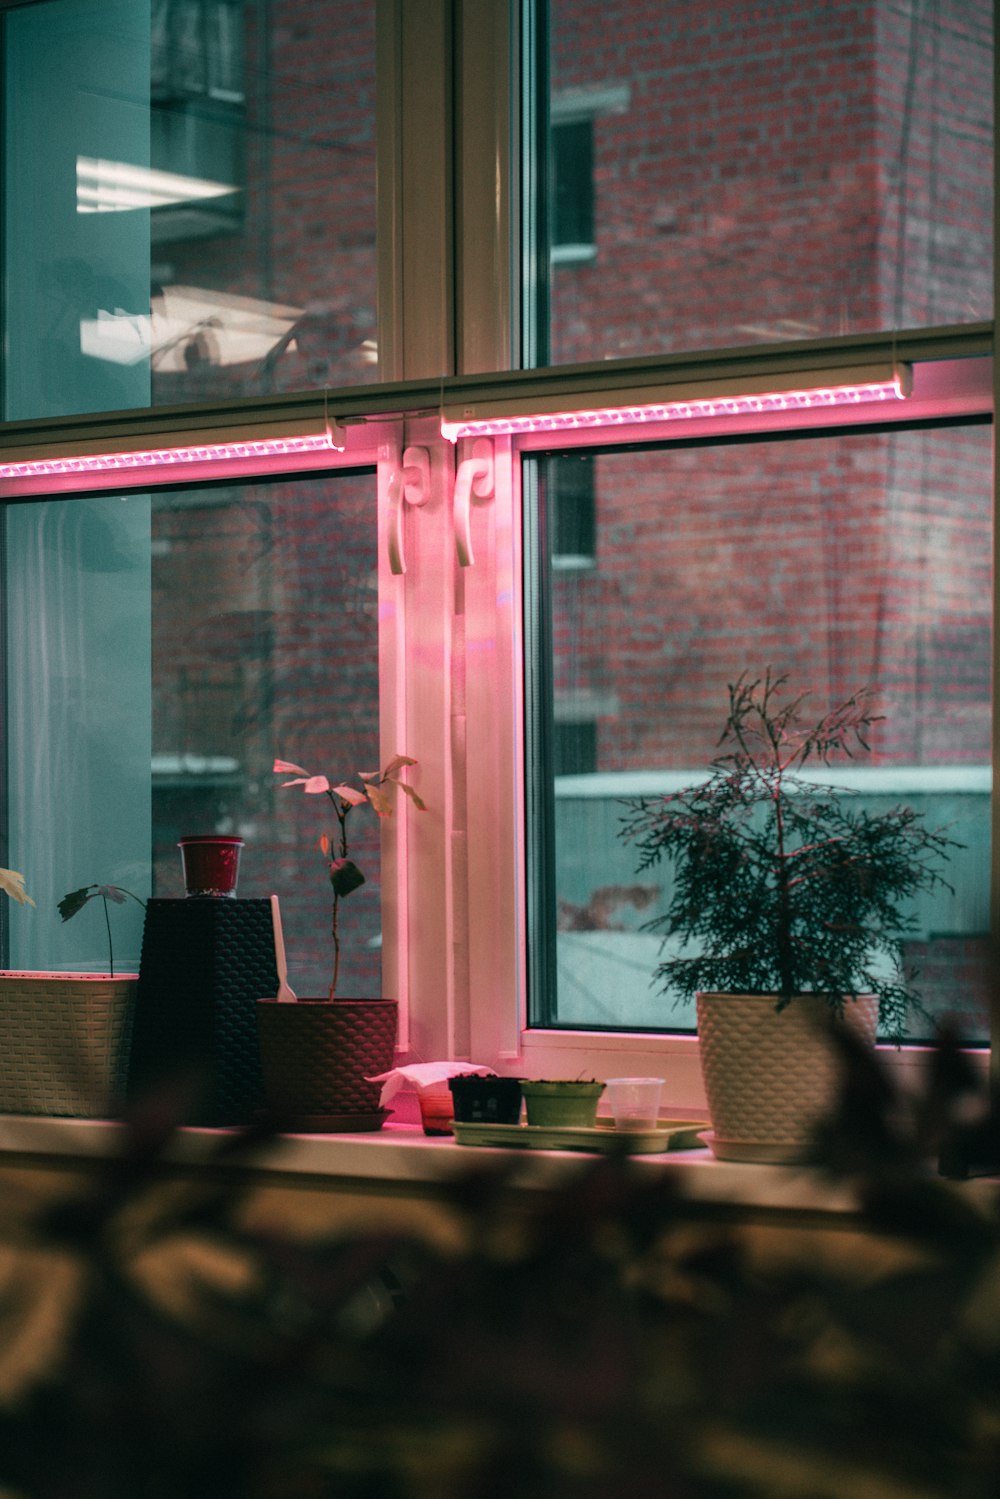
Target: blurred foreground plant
{"points": [[608, 1336]]}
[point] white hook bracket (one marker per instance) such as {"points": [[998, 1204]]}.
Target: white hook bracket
{"points": [[412, 483], [474, 477]]}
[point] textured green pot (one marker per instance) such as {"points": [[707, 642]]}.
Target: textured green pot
{"points": [[562, 1103]]}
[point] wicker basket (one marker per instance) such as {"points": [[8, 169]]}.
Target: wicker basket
{"points": [[63, 1042]]}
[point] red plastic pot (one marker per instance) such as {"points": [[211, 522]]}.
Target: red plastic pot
{"points": [[211, 864]]}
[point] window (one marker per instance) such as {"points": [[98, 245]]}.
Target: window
{"points": [[572, 231], [207, 224], [184, 640], [769, 189], [770, 173], [197, 116], [569, 499], [574, 116], [840, 560]]}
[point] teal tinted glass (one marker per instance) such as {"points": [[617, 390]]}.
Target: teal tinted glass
{"points": [[844, 561], [188, 201], [734, 173], [163, 651]]}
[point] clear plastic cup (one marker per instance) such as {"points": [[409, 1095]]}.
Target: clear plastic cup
{"points": [[635, 1101]]}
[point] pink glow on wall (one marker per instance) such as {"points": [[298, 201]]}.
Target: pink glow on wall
{"points": [[822, 397], [91, 463]]}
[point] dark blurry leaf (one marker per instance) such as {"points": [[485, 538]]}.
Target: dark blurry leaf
{"points": [[345, 876], [76, 900]]}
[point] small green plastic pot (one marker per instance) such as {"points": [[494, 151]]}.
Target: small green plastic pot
{"points": [[562, 1103]]}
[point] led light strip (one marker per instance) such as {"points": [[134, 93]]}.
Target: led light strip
{"points": [[470, 424], [93, 463]]}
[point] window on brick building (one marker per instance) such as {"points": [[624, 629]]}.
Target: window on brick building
{"points": [[569, 498], [197, 117], [572, 193], [843, 560]]}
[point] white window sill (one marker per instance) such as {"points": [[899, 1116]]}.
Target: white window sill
{"points": [[400, 1157]]}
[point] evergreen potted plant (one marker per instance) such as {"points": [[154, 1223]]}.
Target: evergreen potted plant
{"points": [[787, 909], [317, 1054]]}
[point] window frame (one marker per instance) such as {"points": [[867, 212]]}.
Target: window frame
{"points": [[452, 322], [958, 384]]}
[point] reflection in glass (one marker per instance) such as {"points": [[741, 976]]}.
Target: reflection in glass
{"points": [[189, 201], [728, 174], [840, 560], [163, 652]]}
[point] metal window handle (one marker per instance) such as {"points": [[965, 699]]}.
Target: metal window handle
{"points": [[474, 477], [412, 483]]}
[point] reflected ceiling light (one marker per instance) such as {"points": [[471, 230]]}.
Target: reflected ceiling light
{"points": [[211, 447], [752, 396], [119, 186]]}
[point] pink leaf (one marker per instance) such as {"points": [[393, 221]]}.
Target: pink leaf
{"points": [[286, 768], [349, 794], [396, 763], [417, 801], [379, 801]]}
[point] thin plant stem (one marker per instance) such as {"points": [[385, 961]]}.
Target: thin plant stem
{"points": [[111, 950]]}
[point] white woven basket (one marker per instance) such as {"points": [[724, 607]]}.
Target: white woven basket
{"points": [[63, 1042], [770, 1075]]}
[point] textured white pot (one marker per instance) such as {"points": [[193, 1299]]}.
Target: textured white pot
{"points": [[63, 1040], [770, 1075]]}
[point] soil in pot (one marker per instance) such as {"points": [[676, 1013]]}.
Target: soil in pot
{"points": [[562, 1103]]}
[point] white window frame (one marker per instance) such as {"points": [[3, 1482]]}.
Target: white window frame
{"points": [[448, 158], [946, 385]]}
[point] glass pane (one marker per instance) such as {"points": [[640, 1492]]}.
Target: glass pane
{"points": [[842, 561], [189, 201], [729, 174], [163, 652]]}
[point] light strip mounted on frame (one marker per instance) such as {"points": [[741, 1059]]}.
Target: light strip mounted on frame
{"points": [[709, 399], [330, 439]]}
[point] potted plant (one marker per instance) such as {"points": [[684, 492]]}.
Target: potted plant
{"points": [[485, 1098], [63, 1036], [787, 909], [562, 1102], [317, 1053], [74, 902]]}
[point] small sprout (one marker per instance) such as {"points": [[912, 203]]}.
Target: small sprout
{"points": [[74, 902]]}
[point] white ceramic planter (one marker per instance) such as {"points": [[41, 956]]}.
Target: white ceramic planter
{"points": [[770, 1075], [63, 1042]]}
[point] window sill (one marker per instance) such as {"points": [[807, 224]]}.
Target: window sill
{"points": [[400, 1158]]}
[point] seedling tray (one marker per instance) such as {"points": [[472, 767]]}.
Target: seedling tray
{"points": [[670, 1134]]}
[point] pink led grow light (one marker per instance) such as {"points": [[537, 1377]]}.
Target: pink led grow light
{"points": [[469, 424], [92, 463]]}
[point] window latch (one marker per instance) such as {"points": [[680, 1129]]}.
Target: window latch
{"points": [[474, 477], [410, 483]]}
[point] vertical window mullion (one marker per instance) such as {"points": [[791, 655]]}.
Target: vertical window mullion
{"points": [[486, 41], [415, 225]]}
